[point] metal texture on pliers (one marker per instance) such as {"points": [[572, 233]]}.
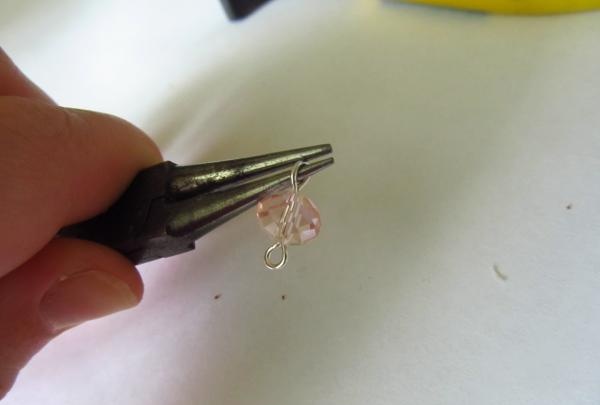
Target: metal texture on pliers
{"points": [[167, 207]]}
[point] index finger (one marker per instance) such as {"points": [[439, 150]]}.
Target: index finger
{"points": [[59, 166]]}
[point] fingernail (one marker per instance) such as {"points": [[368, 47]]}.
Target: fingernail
{"points": [[83, 296]]}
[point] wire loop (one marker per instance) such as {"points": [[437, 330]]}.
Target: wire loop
{"points": [[272, 265], [286, 221]]}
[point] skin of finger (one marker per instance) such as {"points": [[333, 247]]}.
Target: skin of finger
{"points": [[59, 166], [14, 83], [22, 331]]}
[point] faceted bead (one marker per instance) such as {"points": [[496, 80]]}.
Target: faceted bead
{"points": [[306, 220]]}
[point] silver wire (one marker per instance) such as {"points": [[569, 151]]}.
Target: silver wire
{"points": [[271, 265], [285, 222]]}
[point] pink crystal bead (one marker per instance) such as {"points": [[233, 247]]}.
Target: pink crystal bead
{"points": [[306, 220]]}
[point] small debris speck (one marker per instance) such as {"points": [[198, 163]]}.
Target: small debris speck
{"points": [[217, 296], [283, 297], [499, 274], [569, 206]]}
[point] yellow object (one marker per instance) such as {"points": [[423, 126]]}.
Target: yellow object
{"points": [[517, 6]]}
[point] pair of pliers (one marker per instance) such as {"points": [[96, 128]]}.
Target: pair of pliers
{"points": [[168, 207]]}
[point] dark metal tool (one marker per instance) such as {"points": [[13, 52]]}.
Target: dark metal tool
{"points": [[238, 9], [167, 207]]}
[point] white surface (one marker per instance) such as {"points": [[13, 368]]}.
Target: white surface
{"points": [[460, 139]]}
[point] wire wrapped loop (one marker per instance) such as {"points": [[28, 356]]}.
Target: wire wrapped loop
{"points": [[272, 265], [285, 223]]}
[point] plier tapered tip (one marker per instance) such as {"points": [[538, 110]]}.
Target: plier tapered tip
{"points": [[167, 207]]}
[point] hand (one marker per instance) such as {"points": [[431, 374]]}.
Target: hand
{"points": [[58, 166]]}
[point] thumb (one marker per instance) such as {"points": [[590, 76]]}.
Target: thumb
{"points": [[68, 282]]}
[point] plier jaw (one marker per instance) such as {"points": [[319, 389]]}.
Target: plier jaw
{"points": [[168, 207]]}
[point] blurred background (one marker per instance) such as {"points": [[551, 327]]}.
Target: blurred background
{"points": [[458, 261]]}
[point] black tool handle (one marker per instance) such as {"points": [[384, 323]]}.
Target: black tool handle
{"points": [[238, 9], [136, 223]]}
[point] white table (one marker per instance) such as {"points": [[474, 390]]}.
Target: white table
{"points": [[464, 143]]}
